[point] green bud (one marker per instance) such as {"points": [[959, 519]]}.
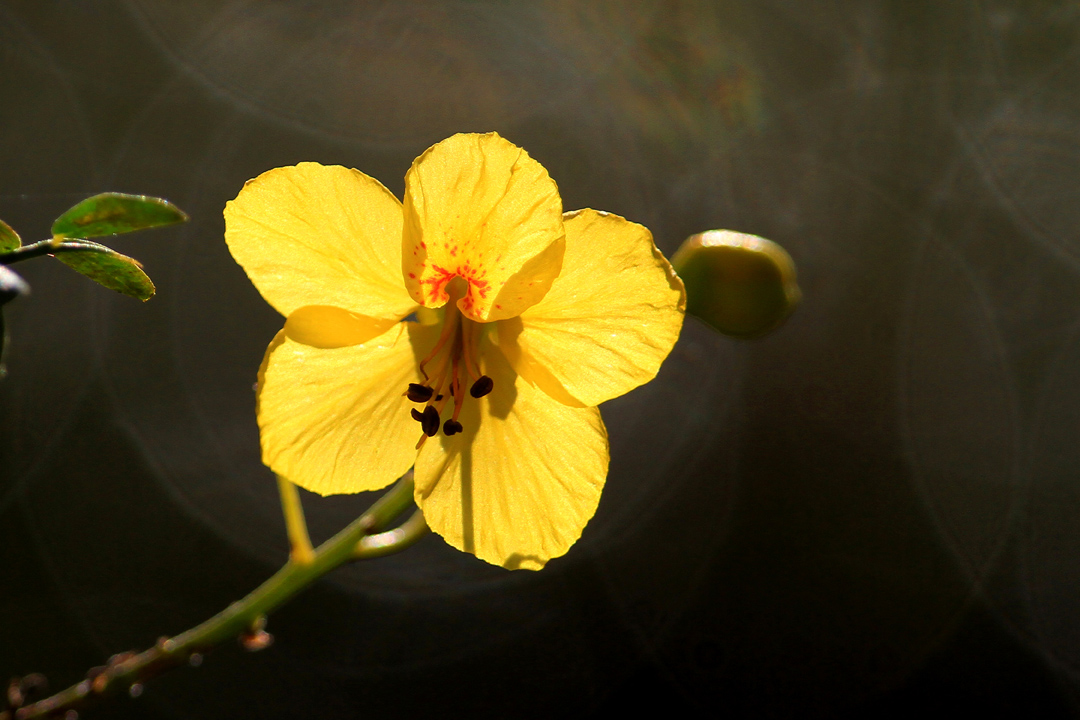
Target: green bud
{"points": [[741, 285]]}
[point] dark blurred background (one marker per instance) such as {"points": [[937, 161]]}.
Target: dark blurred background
{"points": [[870, 513]]}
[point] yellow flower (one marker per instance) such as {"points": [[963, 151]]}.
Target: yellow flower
{"points": [[528, 319]]}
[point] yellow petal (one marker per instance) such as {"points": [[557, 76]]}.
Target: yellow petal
{"points": [[478, 207], [608, 321], [330, 327], [320, 235], [334, 421], [517, 487]]}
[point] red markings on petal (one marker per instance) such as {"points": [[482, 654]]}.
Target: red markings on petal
{"points": [[437, 277]]}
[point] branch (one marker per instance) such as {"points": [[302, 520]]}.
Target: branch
{"points": [[246, 618]]}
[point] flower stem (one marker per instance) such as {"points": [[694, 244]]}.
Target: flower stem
{"points": [[245, 618], [302, 553], [389, 542], [48, 247]]}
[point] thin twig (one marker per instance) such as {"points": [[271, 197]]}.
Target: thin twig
{"points": [[49, 247]]}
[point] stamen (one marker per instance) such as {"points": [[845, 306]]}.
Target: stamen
{"points": [[468, 339], [437, 408], [419, 393], [459, 397], [456, 363], [481, 387], [449, 330], [440, 376]]}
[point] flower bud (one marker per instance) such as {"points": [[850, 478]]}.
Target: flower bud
{"points": [[741, 285]]}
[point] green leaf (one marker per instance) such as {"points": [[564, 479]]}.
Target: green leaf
{"points": [[114, 213], [9, 239], [109, 268], [742, 285]]}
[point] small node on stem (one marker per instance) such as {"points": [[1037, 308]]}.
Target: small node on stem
{"points": [[368, 522], [21, 690], [256, 641], [256, 638], [120, 658]]}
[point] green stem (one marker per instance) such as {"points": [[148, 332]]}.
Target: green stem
{"points": [[48, 247], [295, 526], [245, 618], [389, 542]]}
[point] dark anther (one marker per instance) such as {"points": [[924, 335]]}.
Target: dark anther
{"points": [[481, 387], [419, 393], [438, 397], [430, 421], [452, 427], [417, 415]]}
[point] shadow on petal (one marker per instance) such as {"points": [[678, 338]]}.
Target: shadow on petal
{"points": [[327, 327], [527, 367]]}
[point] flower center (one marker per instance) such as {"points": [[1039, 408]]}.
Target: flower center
{"points": [[452, 364]]}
